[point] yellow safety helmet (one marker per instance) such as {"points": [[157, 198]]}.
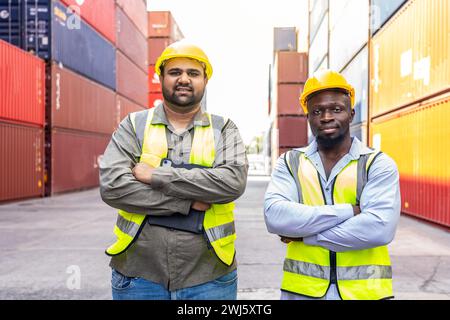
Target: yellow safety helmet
{"points": [[184, 49], [325, 79]]}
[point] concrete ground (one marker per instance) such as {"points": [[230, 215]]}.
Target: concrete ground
{"points": [[52, 248]]}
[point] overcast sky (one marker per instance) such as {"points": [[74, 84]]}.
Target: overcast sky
{"points": [[237, 35]]}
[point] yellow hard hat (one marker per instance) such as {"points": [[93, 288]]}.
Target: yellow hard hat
{"points": [[184, 49], [325, 79]]}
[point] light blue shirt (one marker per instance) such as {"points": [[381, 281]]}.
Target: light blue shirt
{"points": [[334, 227]]}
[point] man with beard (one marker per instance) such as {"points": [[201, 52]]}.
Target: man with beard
{"points": [[173, 172], [335, 203]]}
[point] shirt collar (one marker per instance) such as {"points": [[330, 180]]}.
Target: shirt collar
{"points": [[159, 117], [356, 150]]}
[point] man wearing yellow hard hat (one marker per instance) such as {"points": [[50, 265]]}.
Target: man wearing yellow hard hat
{"points": [[335, 203], [173, 172]]}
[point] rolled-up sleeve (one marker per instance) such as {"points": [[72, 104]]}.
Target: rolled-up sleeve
{"points": [[120, 189], [380, 211], [285, 216]]}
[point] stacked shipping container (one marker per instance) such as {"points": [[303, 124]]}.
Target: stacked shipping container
{"points": [[409, 103], [22, 115]]}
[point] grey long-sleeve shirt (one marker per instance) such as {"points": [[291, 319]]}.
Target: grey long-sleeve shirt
{"points": [[173, 258]]}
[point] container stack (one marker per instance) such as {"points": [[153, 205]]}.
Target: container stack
{"points": [[162, 31], [22, 117], [290, 71], [410, 102]]}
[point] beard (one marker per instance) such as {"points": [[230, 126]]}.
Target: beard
{"points": [[183, 101], [327, 142]]}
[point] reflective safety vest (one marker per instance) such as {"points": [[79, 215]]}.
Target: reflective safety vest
{"points": [[218, 223], [309, 270]]}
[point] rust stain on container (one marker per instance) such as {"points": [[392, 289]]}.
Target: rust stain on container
{"points": [[132, 82], [410, 56], [22, 161], [81, 104]]}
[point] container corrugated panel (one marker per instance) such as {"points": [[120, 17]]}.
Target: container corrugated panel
{"points": [[136, 10], [162, 24], [154, 85], [292, 131], [131, 81], [22, 85], [154, 99], [291, 67], [417, 138], [155, 47], [317, 15], [125, 107], [82, 49], [347, 17], [285, 39], [81, 104], [22, 161], [357, 74], [99, 14], [318, 49], [130, 41], [381, 11], [75, 156], [287, 96], [36, 24], [11, 22], [416, 64]]}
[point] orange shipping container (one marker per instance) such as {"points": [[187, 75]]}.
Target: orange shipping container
{"points": [[131, 80], [287, 99], [162, 24], [126, 106], [410, 56], [417, 138], [155, 47], [291, 67]]}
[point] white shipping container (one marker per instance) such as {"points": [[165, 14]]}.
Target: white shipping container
{"points": [[319, 47]]}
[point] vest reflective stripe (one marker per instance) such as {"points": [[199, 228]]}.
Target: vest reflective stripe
{"points": [[219, 219], [361, 274]]}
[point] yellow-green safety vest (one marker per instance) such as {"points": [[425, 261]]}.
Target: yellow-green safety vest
{"points": [[309, 270], [218, 223]]}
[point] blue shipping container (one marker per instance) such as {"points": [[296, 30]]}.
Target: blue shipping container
{"points": [[357, 74], [10, 22], [381, 11]]}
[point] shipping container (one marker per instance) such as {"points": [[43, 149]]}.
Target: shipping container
{"points": [[75, 156], [417, 138], [98, 14], [81, 104], [125, 106], [130, 41], [410, 56], [155, 47], [154, 99], [292, 131], [36, 25], [11, 22], [287, 99], [22, 85], [163, 25], [22, 161], [285, 39], [318, 10], [347, 17], [136, 10], [154, 84], [381, 11], [359, 130], [291, 67], [131, 81], [357, 74], [318, 50]]}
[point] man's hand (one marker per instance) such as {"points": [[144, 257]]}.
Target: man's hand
{"points": [[143, 172], [356, 210], [288, 239], [200, 206]]}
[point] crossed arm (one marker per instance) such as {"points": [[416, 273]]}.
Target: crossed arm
{"points": [[338, 227]]}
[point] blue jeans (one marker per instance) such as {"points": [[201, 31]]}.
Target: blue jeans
{"points": [[129, 288]]}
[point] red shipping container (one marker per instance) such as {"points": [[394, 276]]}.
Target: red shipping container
{"points": [[136, 10], [131, 81], [22, 161], [81, 104], [22, 85], [155, 47], [75, 157], [291, 67], [162, 24], [98, 14], [125, 107], [154, 84], [292, 131], [154, 99], [288, 99], [130, 41]]}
